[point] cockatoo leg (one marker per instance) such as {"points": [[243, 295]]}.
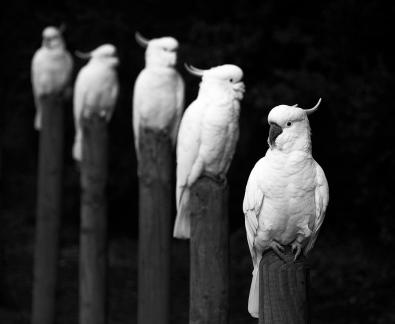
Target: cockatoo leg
{"points": [[219, 178], [278, 249], [296, 246]]}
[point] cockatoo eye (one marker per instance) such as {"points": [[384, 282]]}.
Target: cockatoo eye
{"points": [[231, 80], [289, 123]]}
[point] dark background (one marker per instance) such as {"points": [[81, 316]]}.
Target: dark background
{"points": [[291, 52]]}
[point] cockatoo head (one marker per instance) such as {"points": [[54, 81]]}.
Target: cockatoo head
{"points": [[160, 52], [290, 128], [105, 54], [52, 37], [228, 76]]}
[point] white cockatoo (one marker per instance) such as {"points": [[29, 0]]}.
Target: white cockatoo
{"points": [[286, 194], [96, 89], [51, 68], [208, 134], [158, 99]]}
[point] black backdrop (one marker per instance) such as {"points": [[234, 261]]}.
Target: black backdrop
{"points": [[291, 52]]}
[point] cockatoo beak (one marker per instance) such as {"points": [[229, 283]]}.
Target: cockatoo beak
{"points": [[142, 41], [194, 71], [274, 131], [84, 56]]}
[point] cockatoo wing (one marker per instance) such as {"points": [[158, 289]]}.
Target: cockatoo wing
{"points": [[138, 97], [252, 206], [80, 91], [188, 144], [39, 71], [180, 90], [38, 64], [189, 166], [321, 203]]}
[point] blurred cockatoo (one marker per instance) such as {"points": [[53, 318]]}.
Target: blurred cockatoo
{"points": [[51, 69], [286, 194], [208, 134], [96, 89], [158, 99]]}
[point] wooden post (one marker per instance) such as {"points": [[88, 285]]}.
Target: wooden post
{"points": [[155, 197], [283, 289], [93, 232], [48, 210], [209, 252]]}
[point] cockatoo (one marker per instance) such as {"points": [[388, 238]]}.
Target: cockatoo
{"points": [[96, 89], [158, 99], [51, 69], [287, 192], [208, 134]]}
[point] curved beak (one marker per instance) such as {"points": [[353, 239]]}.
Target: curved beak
{"points": [[193, 70], [142, 41], [240, 86], [274, 131], [85, 56]]}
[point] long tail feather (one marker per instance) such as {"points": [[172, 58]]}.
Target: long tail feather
{"points": [[77, 147], [37, 117], [182, 226], [253, 299]]}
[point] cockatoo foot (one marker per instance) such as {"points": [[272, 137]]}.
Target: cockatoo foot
{"points": [[278, 249], [296, 246], [219, 178]]}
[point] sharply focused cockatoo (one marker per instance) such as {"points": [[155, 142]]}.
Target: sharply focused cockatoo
{"points": [[208, 134], [96, 89], [158, 99], [286, 194], [51, 69]]}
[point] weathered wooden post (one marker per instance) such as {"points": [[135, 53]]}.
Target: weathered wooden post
{"points": [[95, 95], [51, 73], [158, 102], [93, 231], [283, 289], [209, 252], [48, 210], [155, 197]]}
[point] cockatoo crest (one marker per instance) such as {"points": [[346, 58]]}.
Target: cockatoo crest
{"points": [[226, 76], [106, 54], [161, 52], [52, 37], [290, 128]]}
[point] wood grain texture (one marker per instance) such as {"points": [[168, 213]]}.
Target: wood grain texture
{"points": [[209, 252], [283, 289], [155, 213], [48, 210], [93, 231]]}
